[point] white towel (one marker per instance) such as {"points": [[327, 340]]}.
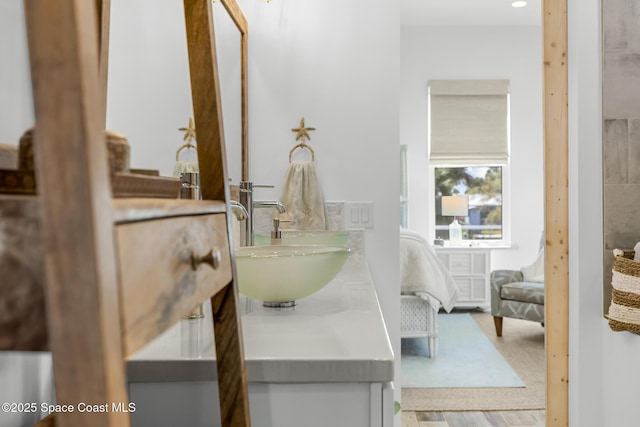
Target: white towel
{"points": [[302, 197]]}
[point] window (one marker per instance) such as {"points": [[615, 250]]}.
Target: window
{"points": [[469, 155], [404, 191], [483, 186]]}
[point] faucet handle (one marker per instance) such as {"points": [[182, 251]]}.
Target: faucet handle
{"points": [[248, 186], [276, 225]]}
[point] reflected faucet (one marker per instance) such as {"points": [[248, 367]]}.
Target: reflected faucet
{"points": [[246, 200], [239, 211], [241, 214], [276, 204]]}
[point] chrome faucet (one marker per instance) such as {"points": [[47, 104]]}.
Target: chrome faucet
{"points": [[246, 200]]}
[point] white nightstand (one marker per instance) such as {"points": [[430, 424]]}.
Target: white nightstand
{"points": [[470, 268]]}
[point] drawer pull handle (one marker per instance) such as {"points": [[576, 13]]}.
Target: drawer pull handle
{"points": [[212, 258]]}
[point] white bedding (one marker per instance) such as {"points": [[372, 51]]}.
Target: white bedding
{"points": [[423, 274]]}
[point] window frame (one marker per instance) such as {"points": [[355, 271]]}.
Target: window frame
{"points": [[505, 242]]}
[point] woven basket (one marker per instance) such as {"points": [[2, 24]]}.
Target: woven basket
{"points": [[624, 311]]}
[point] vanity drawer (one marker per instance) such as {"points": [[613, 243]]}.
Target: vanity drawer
{"points": [[153, 257]]}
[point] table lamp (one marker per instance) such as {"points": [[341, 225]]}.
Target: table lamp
{"points": [[455, 206]]}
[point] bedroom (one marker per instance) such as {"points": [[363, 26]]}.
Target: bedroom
{"points": [[436, 51]]}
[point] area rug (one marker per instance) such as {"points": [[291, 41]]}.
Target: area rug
{"points": [[466, 358], [522, 345]]}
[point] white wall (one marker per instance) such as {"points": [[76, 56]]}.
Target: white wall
{"points": [[336, 64], [588, 330], [482, 52], [604, 372]]}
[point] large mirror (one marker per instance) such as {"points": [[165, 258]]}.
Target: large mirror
{"points": [[621, 134]]}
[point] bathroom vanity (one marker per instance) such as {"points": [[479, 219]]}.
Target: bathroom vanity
{"points": [[326, 361]]}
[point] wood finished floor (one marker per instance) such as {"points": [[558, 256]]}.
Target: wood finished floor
{"points": [[473, 419], [516, 418]]}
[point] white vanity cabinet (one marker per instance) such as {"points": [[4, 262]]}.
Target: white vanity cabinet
{"points": [[325, 362], [195, 404], [470, 268]]}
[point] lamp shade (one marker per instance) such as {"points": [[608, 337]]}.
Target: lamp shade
{"points": [[455, 205]]}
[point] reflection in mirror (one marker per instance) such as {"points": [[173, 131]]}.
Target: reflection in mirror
{"points": [[228, 51], [149, 93], [621, 140]]}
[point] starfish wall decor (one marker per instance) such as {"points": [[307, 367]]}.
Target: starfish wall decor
{"points": [[302, 132], [189, 131], [189, 136]]}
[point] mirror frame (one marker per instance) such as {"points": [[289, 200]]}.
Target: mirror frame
{"points": [[232, 8], [103, 11]]}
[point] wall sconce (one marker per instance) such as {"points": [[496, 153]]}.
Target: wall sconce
{"points": [[455, 206]]}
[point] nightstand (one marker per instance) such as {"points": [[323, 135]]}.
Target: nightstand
{"points": [[470, 268]]}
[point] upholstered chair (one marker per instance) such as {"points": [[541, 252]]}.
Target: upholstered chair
{"points": [[518, 294]]}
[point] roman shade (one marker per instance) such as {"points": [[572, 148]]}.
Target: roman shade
{"points": [[468, 121]]}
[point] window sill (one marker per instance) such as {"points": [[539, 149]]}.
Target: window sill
{"points": [[472, 244]]}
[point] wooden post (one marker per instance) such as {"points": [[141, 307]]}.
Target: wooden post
{"points": [[71, 168], [556, 210], [207, 110]]}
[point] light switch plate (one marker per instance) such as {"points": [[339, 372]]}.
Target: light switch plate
{"points": [[358, 215]]}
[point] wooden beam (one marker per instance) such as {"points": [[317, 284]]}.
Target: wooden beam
{"points": [[206, 98], [556, 160], [73, 182], [207, 109], [232, 375], [236, 15], [244, 106]]}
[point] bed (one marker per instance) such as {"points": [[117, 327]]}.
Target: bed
{"points": [[425, 286]]}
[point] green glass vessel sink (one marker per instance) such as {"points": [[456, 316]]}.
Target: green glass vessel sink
{"points": [[279, 275]]}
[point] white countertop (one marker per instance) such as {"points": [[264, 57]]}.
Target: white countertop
{"points": [[335, 335]]}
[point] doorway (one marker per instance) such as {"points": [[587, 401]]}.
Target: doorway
{"points": [[554, 34]]}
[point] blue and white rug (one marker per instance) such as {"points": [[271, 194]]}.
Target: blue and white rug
{"points": [[466, 358]]}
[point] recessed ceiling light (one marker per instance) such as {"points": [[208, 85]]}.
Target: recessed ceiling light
{"points": [[519, 3]]}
